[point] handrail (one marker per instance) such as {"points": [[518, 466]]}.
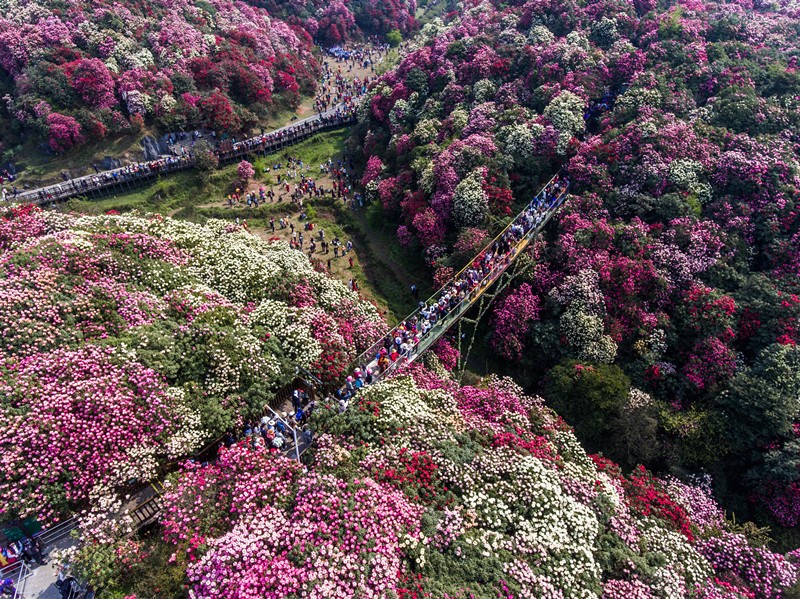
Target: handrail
{"points": [[25, 573], [58, 531]]}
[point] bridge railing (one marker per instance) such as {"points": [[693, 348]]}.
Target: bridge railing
{"points": [[454, 314]]}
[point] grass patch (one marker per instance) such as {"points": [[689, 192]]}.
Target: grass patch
{"points": [[185, 191], [391, 59], [390, 269], [313, 151], [37, 168], [177, 191]]}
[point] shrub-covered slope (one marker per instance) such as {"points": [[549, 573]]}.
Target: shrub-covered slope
{"points": [[131, 341], [674, 267], [338, 21], [423, 488], [78, 71]]}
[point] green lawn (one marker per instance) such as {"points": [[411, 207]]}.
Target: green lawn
{"points": [[313, 151]]}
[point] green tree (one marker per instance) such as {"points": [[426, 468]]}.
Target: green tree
{"points": [[394, 38], [205, 160], [762, 402], [589, 397]]}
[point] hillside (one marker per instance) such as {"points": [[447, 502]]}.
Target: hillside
{"points": [[627, 425], [78, 72], [673, 268], [422, 488], [130, 342]]}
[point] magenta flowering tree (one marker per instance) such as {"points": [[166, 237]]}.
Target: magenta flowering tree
{"points": [[372, 171], [740, 563], [429, 227], [64, 131], [93, 82], [245, 171], [62, 452], [336, 23], [447, 354], [404, 236], [229, 508], [511, 320]]}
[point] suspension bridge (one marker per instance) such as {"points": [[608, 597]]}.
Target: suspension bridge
{"points": [[486, 289]]}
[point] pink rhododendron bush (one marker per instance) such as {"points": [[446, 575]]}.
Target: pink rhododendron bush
{"points": [[422, 488], [676, 261], [130, 341]]}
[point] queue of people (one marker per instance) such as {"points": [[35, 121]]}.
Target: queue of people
{"points": [[276, 433]]}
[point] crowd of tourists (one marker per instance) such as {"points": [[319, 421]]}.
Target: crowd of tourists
{"points": [[337, 90], [130, 172], [293, 181], [28, 549], [366, 56], [277, 433], [457, 295]]}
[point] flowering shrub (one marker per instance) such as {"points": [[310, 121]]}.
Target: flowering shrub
{"points": [[511, 320], [64, 131], [58, 403], [675, 258], [245, 171], [419, 479], [447, 354], [129, 341], [470, 204]]}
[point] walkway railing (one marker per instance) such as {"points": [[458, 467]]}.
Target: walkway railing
{"points": [[543, 214], [22, 580], [128, 177]]}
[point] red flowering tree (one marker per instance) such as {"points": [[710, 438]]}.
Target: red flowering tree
{"points": [[93, 81], [218, 113], [65, 132]]}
